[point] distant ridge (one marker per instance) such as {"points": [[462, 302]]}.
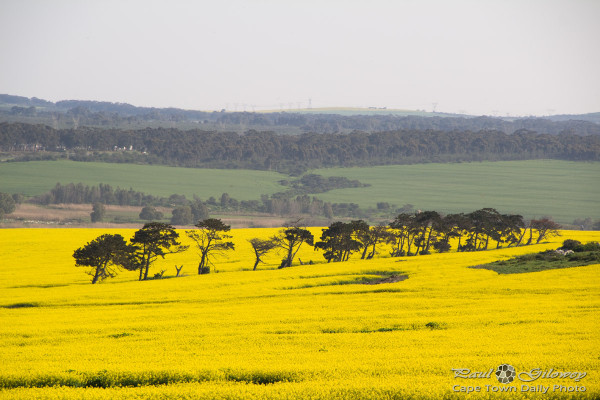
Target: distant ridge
{"points": [[72, 114], [7, 100]]}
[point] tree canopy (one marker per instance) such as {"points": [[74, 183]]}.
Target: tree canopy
{"points": [[104, 255], [154, 240]]}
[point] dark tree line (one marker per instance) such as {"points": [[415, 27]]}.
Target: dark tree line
{"points": [[79, 193], [423, 232], [186, 211], [294, 153], [313, 183]]}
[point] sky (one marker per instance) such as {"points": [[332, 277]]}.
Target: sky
{"points": [[481, 57]]}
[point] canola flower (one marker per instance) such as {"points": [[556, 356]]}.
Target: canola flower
{"points": [[303, 332]]}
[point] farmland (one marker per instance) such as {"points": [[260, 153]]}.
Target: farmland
{"points": [[32, 178], [560, 189], [310, 331]]}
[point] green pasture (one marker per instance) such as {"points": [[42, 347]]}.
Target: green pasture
{"points": [[563, 190], [37, 177]]}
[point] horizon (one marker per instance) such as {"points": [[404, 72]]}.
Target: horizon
{"points": [[381, 110]]}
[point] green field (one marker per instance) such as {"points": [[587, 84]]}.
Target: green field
{"points": [[37, 177], [560, 189]]}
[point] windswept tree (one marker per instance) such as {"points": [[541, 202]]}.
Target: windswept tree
{"points": [[341, 239], [104, 255], [154, 240], [545, 227], [261, 247], [510, 230], [373, 237], [210, 238], [402, 233], [290, 240], [483, 224], [455, 226], [426, 225]]}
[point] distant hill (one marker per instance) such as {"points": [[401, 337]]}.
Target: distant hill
{"points": [[590, 117], [68, 114]]}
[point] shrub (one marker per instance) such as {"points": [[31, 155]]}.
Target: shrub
{"points": [[204, 270], [590, 246], [570, 244], [442, 247], [433, 325]]}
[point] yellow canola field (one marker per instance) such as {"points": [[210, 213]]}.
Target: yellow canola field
{"points": [[310, 331]]}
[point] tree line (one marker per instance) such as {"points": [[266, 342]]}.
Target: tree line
{"points": [[412, 234], [186, 211], [292, 154]]}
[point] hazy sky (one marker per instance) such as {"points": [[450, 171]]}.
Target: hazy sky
{"points": [[522, 57]]}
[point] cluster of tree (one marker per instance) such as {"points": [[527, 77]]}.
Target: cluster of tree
{"points": [[108, 253], [423, 232], [107, 114], [186, 214], [429, 230], [314, 183], [295, 153], [408, 235]]}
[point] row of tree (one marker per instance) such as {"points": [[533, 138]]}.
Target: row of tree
{"points": [[79, 193], [186, 212], [295, 153], [408, 235], [107, 253]]}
